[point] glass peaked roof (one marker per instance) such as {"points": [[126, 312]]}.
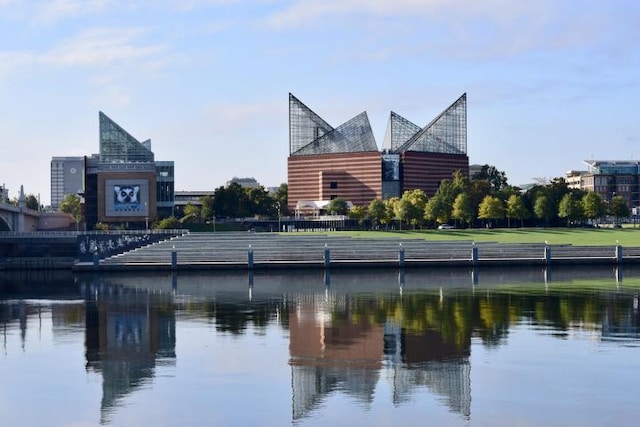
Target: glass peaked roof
{"points": [[447, 133], [118, 146], [351, 137], [305, 126], [399, 131], [310, 134]]}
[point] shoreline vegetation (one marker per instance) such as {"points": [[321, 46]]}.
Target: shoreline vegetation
{"points": [[553, 236]]}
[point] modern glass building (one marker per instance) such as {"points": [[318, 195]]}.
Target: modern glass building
{"points": [[326, 162], [122, 185]]}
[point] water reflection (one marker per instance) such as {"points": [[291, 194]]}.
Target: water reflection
{"points": [[348, 331], [127, 332]]}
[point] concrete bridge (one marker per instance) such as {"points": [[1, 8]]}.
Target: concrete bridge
{"points": [[18, 218]]}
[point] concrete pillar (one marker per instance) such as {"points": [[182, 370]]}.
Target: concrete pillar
{"points": [[327, 256], [547, 255], [618, 254], [474, 254]]}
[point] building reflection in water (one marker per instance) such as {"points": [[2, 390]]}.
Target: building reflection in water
{"points": [[348, 332], [128, 332], [334, 348]]}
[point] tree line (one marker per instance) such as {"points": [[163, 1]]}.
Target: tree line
{"points": [[488, 200], [484, 200]]}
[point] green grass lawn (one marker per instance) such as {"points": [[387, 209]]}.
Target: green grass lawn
{"points": [[554, 236]]}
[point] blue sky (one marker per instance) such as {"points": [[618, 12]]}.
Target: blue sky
{"points": [[550, 83]]}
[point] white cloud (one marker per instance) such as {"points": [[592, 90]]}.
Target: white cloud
{"points": [[101, 47], [52, 11]]}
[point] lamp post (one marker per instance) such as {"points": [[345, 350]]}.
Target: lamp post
{"points": [[279, 227]]}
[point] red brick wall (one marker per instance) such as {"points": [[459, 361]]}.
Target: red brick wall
{"points": [[358, 175], [426, 170]]}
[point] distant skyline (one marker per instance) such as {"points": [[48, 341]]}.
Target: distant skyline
{"points": [[549, 83]]}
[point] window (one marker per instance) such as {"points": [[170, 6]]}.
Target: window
{"points": [[333, 184]]}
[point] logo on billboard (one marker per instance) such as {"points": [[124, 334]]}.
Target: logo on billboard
{"points": [[126, 197]]}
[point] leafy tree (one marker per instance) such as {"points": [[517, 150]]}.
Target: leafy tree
{"points": [[337, 206], [415, 201], [72, 204], [461, 209], [191, 210], [402, 210], [260, 202], [206, 212], [619, 208], [169, 223], [491, 209], [516, 209], [437, 209], [358, 213], [496, 179], [593, 206], [542, 208], [389, 210], [570, 208], [231, 201], [32, 202], [376, 212]]}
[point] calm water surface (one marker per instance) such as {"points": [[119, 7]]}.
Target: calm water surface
{"points": [[491, 347]]}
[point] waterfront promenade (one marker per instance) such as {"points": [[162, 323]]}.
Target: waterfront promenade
{"points": [[272, 250]]}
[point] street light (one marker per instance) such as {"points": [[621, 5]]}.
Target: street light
{"points": [[146, 218]]}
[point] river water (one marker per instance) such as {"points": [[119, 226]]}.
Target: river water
{"points": [[441, 347]]}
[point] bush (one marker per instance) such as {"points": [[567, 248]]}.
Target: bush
{"points": [[168, 224]]}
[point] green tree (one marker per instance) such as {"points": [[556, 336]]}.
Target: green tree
{"points": [[593, 206], [402, 210], [569, 208], [358, 213], [461, 209], [72, 204], [389, 210], [619, 208], [376, 212], [516, 209], [231, 201], [32, 202], [337, 206], [437, 209], [260, 202], [413, 212], [497, 179], [543, 208], [191, 210], [491, 208], [169, 223], [207, 212]]}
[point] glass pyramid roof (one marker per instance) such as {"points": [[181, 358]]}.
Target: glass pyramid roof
{"points": [[118, 146], [399, 131], [447, 133], [310, 134]]}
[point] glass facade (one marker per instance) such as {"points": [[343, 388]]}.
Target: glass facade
{"points": [[351, 137], [305, 126], [399, 131], [117, 146], [447, 133]]}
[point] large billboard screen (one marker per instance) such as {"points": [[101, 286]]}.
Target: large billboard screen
{"points": [[126, 197]]}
